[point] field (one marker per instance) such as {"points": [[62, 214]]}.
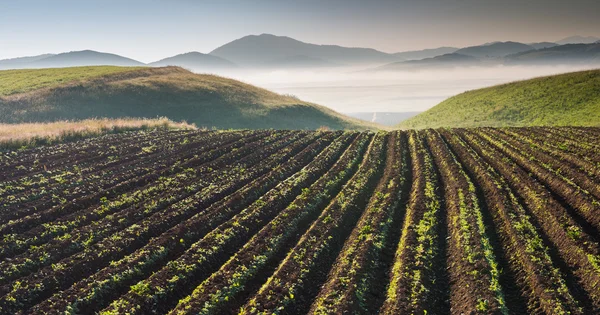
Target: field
{"points": [[438, 221]]}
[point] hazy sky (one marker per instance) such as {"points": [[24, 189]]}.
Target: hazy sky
{"points": [[153, 29]]}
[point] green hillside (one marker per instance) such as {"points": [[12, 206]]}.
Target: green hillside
{"points": [[21, 81], [560, 100], [113, 92]]}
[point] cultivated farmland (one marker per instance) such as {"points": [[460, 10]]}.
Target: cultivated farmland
{"points": [[438, 221]]}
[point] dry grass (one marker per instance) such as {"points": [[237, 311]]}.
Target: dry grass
{"points": [[27, 134]]}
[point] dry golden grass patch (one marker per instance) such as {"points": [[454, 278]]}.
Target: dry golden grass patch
{"points": [[23, 134]]}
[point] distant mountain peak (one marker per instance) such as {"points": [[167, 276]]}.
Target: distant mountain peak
{"points": [[266, 36], [190, 53], [196, 61], [265, 49], [270, 35], [578, 39], [508, 42], [490, 43]]}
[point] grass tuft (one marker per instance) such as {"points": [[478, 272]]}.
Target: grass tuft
{"points": [[14, 136]]}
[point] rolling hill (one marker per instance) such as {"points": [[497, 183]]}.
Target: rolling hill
{"points": [[543, 45], [560, 100], [265, 49], [21, 62], [172, 92], [196, 61], [571, 53], [443, 61], [83, 58], [425, 53], [494, 50]]}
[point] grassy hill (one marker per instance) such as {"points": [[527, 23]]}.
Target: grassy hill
{"points": [[21, 81], [560, 100], [113, 92]]}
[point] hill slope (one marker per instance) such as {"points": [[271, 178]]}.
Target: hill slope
{"points": [[425, 53], [300, 61], [566, 99], [83, 58], [21, 62], [196, 61], [261, 50], [22, 81], [542, 45], [172, 92], [571, 53], [494, 50], [437, 62], [578, 40]]}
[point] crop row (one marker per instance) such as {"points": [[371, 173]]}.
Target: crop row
{"points": [[160, 217], [354, 281], [575, 248], [87, 294], [416, 284], [174, 189], [82, 176]]}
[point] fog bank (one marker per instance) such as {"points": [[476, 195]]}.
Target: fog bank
{"points": [[350, 90]]}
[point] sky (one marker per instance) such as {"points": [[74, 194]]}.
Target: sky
{"points": [[154, 29]]}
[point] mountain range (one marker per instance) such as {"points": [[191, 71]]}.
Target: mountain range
{"points": [[472, 56], [270, 51]]}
